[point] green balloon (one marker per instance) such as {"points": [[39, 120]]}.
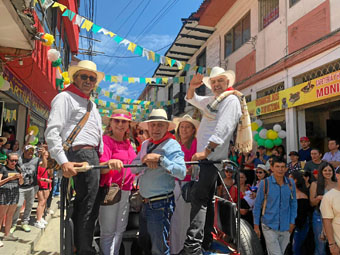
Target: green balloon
{"points": [[259, 129], [277, 141], [268, 144], [36, 140], [3, 156], [261, 142], [257, 137]]}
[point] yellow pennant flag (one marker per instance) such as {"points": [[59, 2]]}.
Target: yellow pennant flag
{"points": [[128, 101], [152, 55], [112, 105], [165, 80], [168, 61], [55, 5], [111, 34], [14, 114], [131, 80], [132, 47], [148, 80], [114, 79], [208, 70], [195, 68], [138, 102], [107, 93], [124, 106], [101, 102], [181, 79], [87, 25], [135, 107]]}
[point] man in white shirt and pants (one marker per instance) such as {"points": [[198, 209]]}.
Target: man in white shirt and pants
{"points": [[213, 139], [67, 109]]}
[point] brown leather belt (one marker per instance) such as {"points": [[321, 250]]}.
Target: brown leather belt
{"points": [[82, 147], [157, 198]]}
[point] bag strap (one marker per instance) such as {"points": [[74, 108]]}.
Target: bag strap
{"points": [[265, 190], [72, 136]]}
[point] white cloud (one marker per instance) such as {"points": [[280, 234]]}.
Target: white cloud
{"points": [[118, 89], [155, 41]]}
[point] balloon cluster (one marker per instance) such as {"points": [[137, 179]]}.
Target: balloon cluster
{"points": [[48, 39], [267, 138], [33, 138]]}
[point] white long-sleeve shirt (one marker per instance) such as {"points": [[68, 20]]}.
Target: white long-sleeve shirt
{"points": [[219, 130], [66, 111]]}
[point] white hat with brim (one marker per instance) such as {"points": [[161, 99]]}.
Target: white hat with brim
{"points": [[3, 140], [219, 71], [88, 66], [117, 114], [187, 118], [158, 115]]}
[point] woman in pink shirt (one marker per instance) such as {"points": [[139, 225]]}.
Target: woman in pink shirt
{"points": [[180, 221], [118, 151]]}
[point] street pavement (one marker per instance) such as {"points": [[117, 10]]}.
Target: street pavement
{"points": [[33, 241]]}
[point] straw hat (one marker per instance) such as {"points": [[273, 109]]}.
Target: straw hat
{"points": [[187, 118], [85, 65], [158, 115], [218, 71], [3, 140], [118, 114]]}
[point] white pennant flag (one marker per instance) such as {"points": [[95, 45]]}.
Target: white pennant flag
{"points": [[47, 3], [119, 79], [137, 79], [125, 42], [146, 53], [78, 20], [162, 60]]}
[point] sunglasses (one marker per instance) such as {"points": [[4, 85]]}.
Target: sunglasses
{"points": [[259, 172], [118, 121], [13, 160], [84, 77], [141, 132]]}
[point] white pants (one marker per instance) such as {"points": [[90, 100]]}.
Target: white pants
{"points": [[113, 220], [276, 241], [180, 221]]}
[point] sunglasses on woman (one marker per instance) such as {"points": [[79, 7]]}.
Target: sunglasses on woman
{"points": [[13, 160], [259, 172], [84, 77], [118, 121]]}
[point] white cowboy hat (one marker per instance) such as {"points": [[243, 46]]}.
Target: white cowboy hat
{"points": [[187, 118], [3, 140], [86, 65], [119, 114], [218, 71], [157, 115]]}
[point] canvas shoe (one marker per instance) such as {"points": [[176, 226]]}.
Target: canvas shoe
{"points": [[39, 224], [13, 228], [10, 237], [1, 244], [26, 228], [43, 221]]}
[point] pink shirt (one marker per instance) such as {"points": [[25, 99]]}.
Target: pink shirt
{"points": [[122, 151], [188, 153]]}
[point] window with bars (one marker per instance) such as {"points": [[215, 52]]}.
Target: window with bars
{"points": [[292, 2], [237, 36], [268, 12]]}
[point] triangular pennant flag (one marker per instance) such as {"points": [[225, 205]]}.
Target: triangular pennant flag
{"points": [[176, 79], [172, 62], [153, 79], [146, 53], [137, 80], [148, 80], [71, 15], [47, 3], [99, 89], [131, 80], [106, 32], [125, 42], [179, 65], [87, 25], [111, 95], [195, 68], [96, 28], [157, 58], [114, 79], [62, 7], [181, 79], [65, 13], [208, 71], [168, 61], [152, 55], [139, 50], [187, 67], [117, 39], [107, 93], [132, 47], [118, 98], [200, 69], [108, 103], [55, 5], [107, 77], [165, 80], [119, 79], [78, 20], [142, 80]]}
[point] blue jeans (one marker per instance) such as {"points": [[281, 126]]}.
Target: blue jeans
{"points": [[320, 245], [299, 238], [154, 225], [56, 184]]}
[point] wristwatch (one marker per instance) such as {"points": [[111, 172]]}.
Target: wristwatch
{"points": [[209, 148], [160, 160]]}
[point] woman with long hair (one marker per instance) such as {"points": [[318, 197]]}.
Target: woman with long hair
{"points": [[325, 182], [10, 178], [303, 212], [229, 182], [186, 136], [261, 173], [113, 219], [139, 135]]}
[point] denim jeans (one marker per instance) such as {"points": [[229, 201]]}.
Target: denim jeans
{"points": [[300, 236], [28, 196], [320, 245], [154, 225], [56, 184], [276, 241]]}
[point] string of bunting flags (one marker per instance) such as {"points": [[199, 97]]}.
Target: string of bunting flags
{"points": [[134, 48]]}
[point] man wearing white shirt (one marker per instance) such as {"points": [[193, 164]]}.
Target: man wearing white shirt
{"points": [[333, 156], [213, 139], [67, 109]]}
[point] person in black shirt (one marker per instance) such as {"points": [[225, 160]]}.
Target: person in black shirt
{"points": [[304, 152], [10, 178]]}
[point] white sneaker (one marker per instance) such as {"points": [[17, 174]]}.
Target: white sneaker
{"points": [[43, 221], [39, 224], [51, 212]]}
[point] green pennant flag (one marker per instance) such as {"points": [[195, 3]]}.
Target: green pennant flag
{"points": [[96, 28], [138, 50], [99, 89], [125, 78], [96, 101], [157, 58], [107, 77], [118, 39], [108, 104], [142, 80], [176, 80], [119, 106], [172, 62], [65, 14], [158, 80], [111, 95], [187, 67], [200, 69]]}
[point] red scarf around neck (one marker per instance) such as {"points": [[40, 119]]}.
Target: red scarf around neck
{"points": [[167, 136], [74, 89], [229, 89]]}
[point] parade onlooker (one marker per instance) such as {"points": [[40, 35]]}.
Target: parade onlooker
{"points": [[275, 152], [113, 219], [44, 182], [233, 154], [278, 219], [247, 199], [28, 189], [304, 152], [325, 182], [294, 164], [313, 165], [165, 161], [10, 178], [302, 221], [282, 152], [246, 163], [229, 182], [261, 173], [139, 136], [330, 216], [180, 221], [16, 147], [333, 156], [261, 157]]}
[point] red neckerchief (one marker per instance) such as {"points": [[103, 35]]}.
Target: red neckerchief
{"points": [[168, 135], [73, 88], [229, 89]]}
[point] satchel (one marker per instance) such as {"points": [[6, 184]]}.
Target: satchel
{"points": [[113, 194]]}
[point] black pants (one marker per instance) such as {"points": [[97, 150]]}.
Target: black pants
{"points": [[202, 211], [86, 204]]}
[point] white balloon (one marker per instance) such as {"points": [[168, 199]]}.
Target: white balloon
{"points": [[263, 133], [53, 55], [277, 128], [255, 132], [282, 134], [31, 139], [5, 86], [259, 122]]}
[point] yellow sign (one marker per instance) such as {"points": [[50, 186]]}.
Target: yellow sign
{"points": [[321, 88]]}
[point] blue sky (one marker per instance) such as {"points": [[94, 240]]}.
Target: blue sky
{"points": [[152, 24]]}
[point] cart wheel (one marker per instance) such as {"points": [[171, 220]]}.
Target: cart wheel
{"points": [[249, 242]]}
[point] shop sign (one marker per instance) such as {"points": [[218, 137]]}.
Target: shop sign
{"points": [[22, 94], [321, 88]]}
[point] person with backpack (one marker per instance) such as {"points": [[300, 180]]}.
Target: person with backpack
{"points": [[276, 208]]}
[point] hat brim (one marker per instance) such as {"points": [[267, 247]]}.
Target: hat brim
{"points": [[106, 119], [3, 140], [73, 69], [229, 74], [144, 124], [196, 123]]}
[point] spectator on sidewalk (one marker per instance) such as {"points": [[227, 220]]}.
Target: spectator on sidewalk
{"points": [[304, 152], [280, 209], [294, 164], [333, 156], [261, 173], [313, 165], [10, 179]]}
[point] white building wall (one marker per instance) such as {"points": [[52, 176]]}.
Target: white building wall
{"points": [[335, 14]]}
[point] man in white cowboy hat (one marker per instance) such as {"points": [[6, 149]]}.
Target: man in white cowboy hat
{"points": [[213, 139], [165, 161], [67, 109]]}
